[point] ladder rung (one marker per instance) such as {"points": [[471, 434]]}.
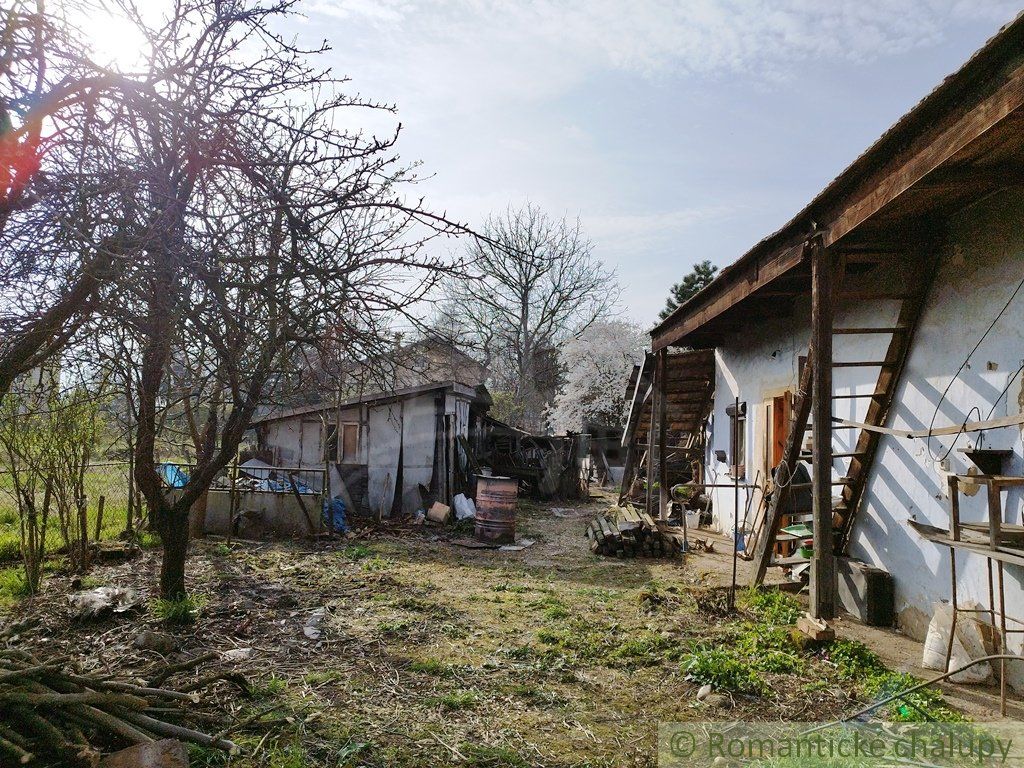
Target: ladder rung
{"points": [[810, 455], [863, 364], [859, 397], [893, 329]]}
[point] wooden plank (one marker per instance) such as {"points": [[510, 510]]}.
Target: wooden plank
{"points": [[864, 331], [824, 587], [663, 502], [655, 409]]}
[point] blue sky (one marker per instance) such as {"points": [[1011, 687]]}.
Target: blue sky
{"points": [[676, 131]]}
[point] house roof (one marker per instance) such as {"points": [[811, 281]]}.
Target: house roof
{"points": [[478, 394], [962, 142]]}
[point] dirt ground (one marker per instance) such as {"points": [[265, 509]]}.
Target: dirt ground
{"points": [[403, 649]]}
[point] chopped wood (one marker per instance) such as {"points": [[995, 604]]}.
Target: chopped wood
{"points": [[632, 533], [47, 707]]}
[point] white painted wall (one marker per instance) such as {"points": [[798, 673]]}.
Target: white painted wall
{"points": [[979, 270]]}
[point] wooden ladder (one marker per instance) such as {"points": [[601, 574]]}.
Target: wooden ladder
{"points": [[921, 269], [862, 457]]}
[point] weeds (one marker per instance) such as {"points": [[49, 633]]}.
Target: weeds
{"points": [[431, 667], [723, 669], [183, 611], [772, 606], [456, 701]]}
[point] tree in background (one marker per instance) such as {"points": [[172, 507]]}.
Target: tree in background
{"points": [[261, 222], [533, 284], [595, 368], [703, 273]]}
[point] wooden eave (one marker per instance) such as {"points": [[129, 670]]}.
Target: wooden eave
{"points": [[962, 143]]}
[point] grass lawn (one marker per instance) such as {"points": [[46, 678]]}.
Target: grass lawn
{"points": [[424, 653]]}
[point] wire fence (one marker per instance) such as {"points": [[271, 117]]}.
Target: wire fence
{"points": [[115, 510], [112, 509]]}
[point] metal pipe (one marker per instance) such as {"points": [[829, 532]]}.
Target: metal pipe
{"points": [[1001, 657]]}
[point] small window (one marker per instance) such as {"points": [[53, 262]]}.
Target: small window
{"points": [[737, 439], [349, 443]]}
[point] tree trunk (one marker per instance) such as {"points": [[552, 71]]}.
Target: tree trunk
{"points": [[174, 536], [197, 517]]}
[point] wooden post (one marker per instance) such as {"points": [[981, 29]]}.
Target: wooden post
{"points": [[663, 500], [99, 516], [649, 506], [823, 564]]}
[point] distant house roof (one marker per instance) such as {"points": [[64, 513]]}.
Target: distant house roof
{"points": [[962, 142], [478, 394]]}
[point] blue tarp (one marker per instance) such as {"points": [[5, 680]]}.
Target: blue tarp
{"points": [[334, 514], [173, 476]]}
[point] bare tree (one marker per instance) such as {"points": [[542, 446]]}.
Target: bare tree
{"points": [[263, 224], [62, 221], [534, 283]]}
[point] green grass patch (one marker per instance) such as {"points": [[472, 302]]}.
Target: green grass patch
{"points": [[771, 606], [394, 628], [377, 563], [13, 587], [270, 688], [485, 756], [857, 663], [183, 611], [431, 667], [358, 552], [320, 677], [456, 701]]}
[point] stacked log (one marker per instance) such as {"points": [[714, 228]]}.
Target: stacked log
{"points": [[628, 533], [49, 712]]}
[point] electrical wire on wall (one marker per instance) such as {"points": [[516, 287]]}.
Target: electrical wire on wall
{"points": [[931, 424]]}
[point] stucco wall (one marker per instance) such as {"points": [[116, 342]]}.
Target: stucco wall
{"points": [[980, 266]]}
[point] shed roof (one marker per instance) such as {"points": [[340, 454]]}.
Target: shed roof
{"points": [[479, 394], [962, 142]]}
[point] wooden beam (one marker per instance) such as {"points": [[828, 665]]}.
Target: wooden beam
{"points": [[655, 409], [923, 157], [662, 441], [734, 287], [823, 563]]}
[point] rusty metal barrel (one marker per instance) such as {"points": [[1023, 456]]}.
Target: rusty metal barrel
{"points": [[496, 509]]}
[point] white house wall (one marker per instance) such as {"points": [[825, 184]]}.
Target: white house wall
{"points": [[979, 269]]}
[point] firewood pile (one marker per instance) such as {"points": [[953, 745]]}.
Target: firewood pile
{"points": [[52, 715], [626, 532]]}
